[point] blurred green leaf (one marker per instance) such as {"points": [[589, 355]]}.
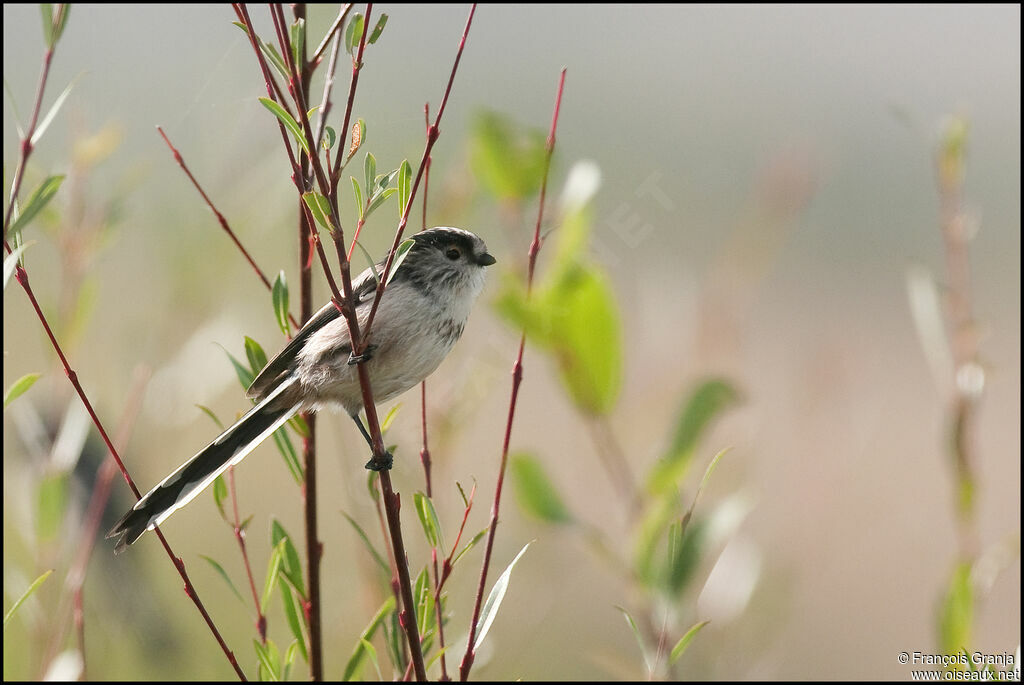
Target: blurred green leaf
{"points": [[353, 32], [369, 545], [224, 575], [11, 260], [639, 639], [400, 255], [291, 567], [700, 488], [279, 297], [683, 555], [508, 160], [269, 660], [369, 173], [493, 603], [330, 138], [20, 387], [209, 412], [39, 198], [256, 356], [428, 519], [273, 570], [291, 457], [423, 596], [220, 494], [404, 186], [684, 642], [245, 376], [389, 418], [379, 199], [469, 545], [299, 425], [51, 504], [957, 612], [28, 593], [536, 493], [298, 40], [295, 617], [289, 122], [45, 122], [358, 193], [703, 405], [377, 29], [320, 208], [355, 662]]}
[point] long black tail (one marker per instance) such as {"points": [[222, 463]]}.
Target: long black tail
{"points": [[192, 477]]}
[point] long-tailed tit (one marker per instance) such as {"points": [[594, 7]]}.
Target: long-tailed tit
{"points": [[419, 318]]}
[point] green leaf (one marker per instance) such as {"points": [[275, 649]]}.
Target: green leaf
{"points": [[369, 545], [353, 33], [257, 357], [20, 387], [245, 376], [469, 545], [45, 122], [369, 260], [392, 413], [428, 519], [379, 199], [404, 186], [684, 641], [220, 495], [378, 29], [298, 40], [223, 574], [358, 193], [703, 483], [684, 554], [320, 208], [295, 617], [369, 172], [330, 138], [289, 657], [291, 458], [291, 567], [355, 661], [11, 260], [508, 160], [400, 255], [51, 504], [423, 597], [279, 297], [21, 600], [536, 494], [209, 412], [288, 121], [703, 405], [273, 569], [268, 660], [39, 198], [493, 603], [957, 611], [639, 639]]}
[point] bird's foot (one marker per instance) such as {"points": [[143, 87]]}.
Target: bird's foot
{"points": [[380, 463], [366, 356]]}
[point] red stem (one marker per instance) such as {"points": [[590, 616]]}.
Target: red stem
{"points": [[517, 379]]}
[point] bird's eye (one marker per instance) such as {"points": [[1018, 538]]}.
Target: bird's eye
{"points": [[452, 253]]}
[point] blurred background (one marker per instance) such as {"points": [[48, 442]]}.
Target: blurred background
{"points": [[767, 192]]}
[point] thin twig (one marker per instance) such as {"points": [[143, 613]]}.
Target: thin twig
{"points": [[517, 379]]}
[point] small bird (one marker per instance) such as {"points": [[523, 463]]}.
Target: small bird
{"points": [[420, 316]]}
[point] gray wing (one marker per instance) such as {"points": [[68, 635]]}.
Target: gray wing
{"points": [[281, 366]]}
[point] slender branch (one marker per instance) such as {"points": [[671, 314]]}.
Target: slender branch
{"points": [[517, 379], [332, 32], [220, 219], [239, 532]]}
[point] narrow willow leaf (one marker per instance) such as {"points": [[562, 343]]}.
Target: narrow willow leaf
{"points": [[371, 651], [369, 260], [256, 356], [639, 639], [224, 574], [423, 597], [684, 642], [220, 495], [209, 412], [330, 138], [493, 603], [355, 661], [378, 29], [700, 488], [275, 58], [20, 387], [392, 413], [266, 656], [299, 425], [353, 33], [404, 186], [369, 173], [536, 493], [46, 9], [60, 20], [358, 193], [379, 199], [289, 122], [21, 600], [291, 567], [279, 297], [273, 569], [957, 611], [11, 260], [400, 255], [291, 457], [292, 613], [507, 159], [45, 122], [469, 545], [39, 198], [320, 208], [369, 545], [428, 519], [298, 40], [289, 657], [51, 504], [245, 376]]}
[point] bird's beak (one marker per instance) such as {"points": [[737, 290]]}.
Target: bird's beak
{"points": [[485, 259]]}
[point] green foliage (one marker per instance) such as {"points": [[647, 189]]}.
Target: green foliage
{"points": [[51, 503], [224, 576], [494, 599], [289, 122], [508, 160], [355, 662], [429, 521], [39, 198], [536, 493], [279, 298], [55, 18], [28, 593], [20, 387], [684, 641], [320, 208], [956, 614], [354, 32]]}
